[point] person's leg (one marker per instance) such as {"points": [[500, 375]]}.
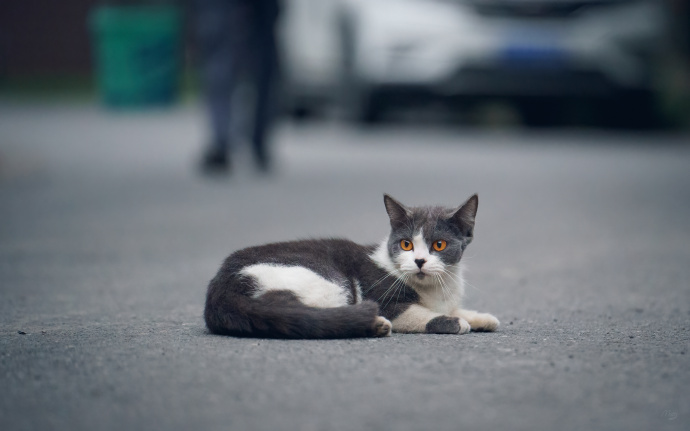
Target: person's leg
{"points": [[265, 74], [219, 33]]}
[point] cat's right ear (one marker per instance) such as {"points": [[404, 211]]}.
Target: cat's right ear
{"points": [[397, 212], [464, 216]]}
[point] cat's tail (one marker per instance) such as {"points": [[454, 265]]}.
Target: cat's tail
{"points": [[281, 315]]}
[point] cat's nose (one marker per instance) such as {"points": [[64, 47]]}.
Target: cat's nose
{"points": [[420, 262]]}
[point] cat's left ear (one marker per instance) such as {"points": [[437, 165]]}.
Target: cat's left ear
{"points": [[464, 216]]}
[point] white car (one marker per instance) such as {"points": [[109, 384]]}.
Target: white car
{"points": [[369, 54]]}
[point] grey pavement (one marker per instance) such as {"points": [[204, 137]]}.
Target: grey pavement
{"points": [[108, 237]]}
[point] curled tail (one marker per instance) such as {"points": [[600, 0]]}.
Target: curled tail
{"points": [[279, 314]]}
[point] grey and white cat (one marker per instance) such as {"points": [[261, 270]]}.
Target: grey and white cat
{"points": [[334, 288]]}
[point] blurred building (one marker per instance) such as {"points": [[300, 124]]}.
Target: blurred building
{"points": [[39, 37]]}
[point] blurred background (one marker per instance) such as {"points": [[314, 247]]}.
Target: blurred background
{"points": [[569, 118], [590, 63]]}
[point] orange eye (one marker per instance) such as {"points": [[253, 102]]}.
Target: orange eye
{"points": [[439, 245], [406, 245]]}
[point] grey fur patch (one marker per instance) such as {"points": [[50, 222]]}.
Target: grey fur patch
{"points": [[443, 325]]}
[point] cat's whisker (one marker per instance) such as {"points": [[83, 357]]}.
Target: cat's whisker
{"points": [[405, 279], [445, 290], [445, 273], [457, 278], [439, 284], [460, 280], [391, 287], [400, 283], [473, 286], [377, 282], [404, 293], [454, 281], [380, 280], [399, 289], [450, 288]]}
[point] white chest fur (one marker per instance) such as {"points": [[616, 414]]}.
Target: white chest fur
{"points": [[445, 296]]}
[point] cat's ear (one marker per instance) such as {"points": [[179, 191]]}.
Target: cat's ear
{"points": [[464, 216], [398, 213]]}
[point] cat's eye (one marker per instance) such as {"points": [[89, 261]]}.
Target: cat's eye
{"points": [[406, 245], [440, 245]]}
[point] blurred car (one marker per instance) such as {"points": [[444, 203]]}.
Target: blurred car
{"points": [[371, 54], [310, 54]]}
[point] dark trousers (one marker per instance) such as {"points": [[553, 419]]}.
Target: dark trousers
{"points": [[236, 40]]}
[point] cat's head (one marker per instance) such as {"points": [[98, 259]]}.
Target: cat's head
{"points": [[426, 242]]}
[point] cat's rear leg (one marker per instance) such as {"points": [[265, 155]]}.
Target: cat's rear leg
{"points": [[382, 327], [480, 322], [419, 319]]}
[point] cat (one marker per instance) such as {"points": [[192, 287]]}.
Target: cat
{"points": [[334, 288]]}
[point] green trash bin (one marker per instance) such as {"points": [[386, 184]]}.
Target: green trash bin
{"points": [[137, 52]]}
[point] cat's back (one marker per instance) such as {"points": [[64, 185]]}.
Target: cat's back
{"points": [[327, 251], [321, 272]]}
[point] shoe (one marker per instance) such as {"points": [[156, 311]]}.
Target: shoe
{"points": [[215, 161], [262, 161]]}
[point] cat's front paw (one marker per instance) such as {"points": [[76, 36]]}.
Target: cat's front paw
{"points": [[447, 325], [382, 327], [484, 322]]}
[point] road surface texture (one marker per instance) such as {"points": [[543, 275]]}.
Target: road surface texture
{"points": [[108, 237]]}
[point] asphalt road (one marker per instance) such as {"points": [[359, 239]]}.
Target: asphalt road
{"points": [[108, 237]]}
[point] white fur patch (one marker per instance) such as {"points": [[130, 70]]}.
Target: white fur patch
{"points": [[421, 249], [312, 289], [383, 259], [414, 319], [479, 321]]}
